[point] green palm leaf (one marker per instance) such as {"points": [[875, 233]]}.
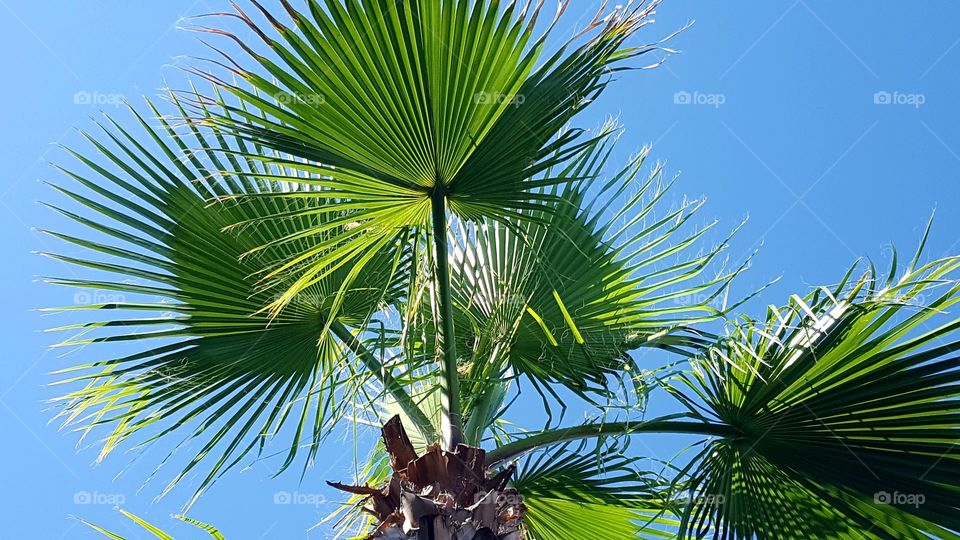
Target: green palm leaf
{"points": [[397, 104], [562, 295], [156, 532], [573, 492], [211, 364], [846, 405]]}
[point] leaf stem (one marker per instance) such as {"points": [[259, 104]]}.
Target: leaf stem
{"points": [[394, 388], [556, 436], [452, 421]]}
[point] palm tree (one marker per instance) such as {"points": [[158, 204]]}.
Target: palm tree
{"points": [[384, 220]]}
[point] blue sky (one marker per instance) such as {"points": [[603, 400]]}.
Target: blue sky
{"points": [[832, 125]]}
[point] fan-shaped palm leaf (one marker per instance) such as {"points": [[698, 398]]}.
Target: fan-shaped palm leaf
{"points": [[208, 359], [406, 105], [847, 412]]}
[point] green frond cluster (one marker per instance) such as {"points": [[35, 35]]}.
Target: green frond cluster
{"points": [[180, 285], [563, 294], [397, 103], [582, 491], [846, 406]]}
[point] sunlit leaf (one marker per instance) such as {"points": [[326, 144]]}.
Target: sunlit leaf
{"points": [[399, 103]]}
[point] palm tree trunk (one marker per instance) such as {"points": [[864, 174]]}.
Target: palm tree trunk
{"points": [[441, 495]]}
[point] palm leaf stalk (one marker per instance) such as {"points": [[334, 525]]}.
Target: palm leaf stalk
{"points": [[672, 424], [452, 422]]}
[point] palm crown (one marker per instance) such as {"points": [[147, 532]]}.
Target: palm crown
{"points": [[386, 219]]}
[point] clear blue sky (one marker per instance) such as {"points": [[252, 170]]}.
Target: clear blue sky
{"points": [[784, 125]]}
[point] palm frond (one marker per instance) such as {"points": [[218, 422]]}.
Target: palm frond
{"points": [[211, 364], [575, 492], [846, 404], [562, 297], [397, 103], [156, 532]]}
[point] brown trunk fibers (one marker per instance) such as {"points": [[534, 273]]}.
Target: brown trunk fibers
{"points": [[441, 495]]}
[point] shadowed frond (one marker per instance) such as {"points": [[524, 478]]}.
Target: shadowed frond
{"points": [[173, 282], [846, 405]]}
